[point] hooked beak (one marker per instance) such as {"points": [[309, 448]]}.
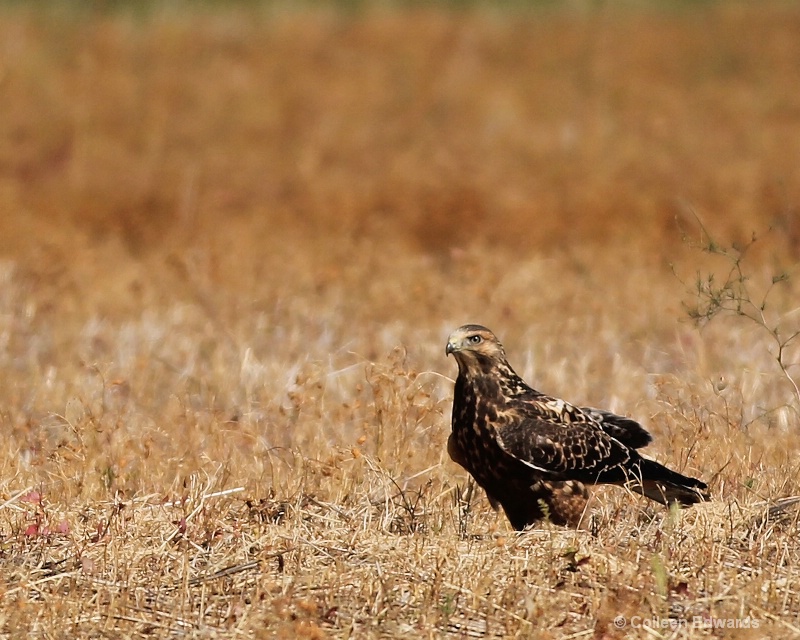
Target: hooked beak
{"points": [[450, 348]]}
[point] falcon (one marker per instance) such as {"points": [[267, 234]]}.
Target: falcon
{"points": [[534, 454]]}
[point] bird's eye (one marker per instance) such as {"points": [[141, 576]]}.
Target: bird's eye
{"points": [[475, 339]]}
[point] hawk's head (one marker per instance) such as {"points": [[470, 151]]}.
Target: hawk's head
{"points": [[473, 344]]}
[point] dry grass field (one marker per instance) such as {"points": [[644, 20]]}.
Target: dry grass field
{"points": [[233, 242]]}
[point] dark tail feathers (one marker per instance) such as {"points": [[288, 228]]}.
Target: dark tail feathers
{"points": [[655, 481]]}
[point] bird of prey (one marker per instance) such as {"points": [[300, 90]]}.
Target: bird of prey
{"points": [[534, 454]]}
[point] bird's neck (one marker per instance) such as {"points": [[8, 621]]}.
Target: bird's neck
{"points": [[512, 384], [496, 377]]}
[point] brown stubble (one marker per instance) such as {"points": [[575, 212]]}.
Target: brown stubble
{"points": [[234, 245]]}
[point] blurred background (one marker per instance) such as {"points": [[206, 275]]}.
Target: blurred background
{"points": [[260, 132], [353, 176]]}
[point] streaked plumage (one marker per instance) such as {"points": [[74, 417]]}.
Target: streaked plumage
{"points": [[533, 454]]}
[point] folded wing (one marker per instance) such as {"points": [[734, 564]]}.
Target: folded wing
{"points": [[586, 450], [627, 431]]}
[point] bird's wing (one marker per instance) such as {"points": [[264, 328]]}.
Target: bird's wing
{"points": [[559, 440], [627, 431]]}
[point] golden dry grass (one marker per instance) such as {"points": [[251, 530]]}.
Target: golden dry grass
{"points": [[234, 242]]}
